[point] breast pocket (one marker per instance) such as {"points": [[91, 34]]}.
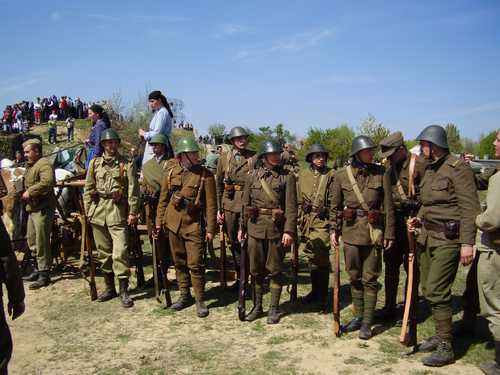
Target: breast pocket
{"points": [[440, 190], [374, 193]]}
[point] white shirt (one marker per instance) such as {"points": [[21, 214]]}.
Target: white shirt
{"points": [[161, 123]]}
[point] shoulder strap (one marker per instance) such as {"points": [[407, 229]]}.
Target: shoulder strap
{"points": [[321, 185], [355, 187], [269, 192], [411, 176]]}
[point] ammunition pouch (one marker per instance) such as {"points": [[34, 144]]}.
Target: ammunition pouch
{"points": [[252, 213], [452, 229], [375, 217], [349, 214], [278, 216], [178, 201]]}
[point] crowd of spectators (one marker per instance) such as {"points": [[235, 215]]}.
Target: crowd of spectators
{"points": [[19, 117]]}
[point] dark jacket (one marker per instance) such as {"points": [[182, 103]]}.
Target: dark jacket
{"points": [[95, 136]]}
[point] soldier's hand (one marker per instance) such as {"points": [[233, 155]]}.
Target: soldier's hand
{"points": [[15, 310], [156, 232], [220, 217], [209, 236], [287, 240], [388, 244], [132, 219], [25, 196], [466, 254], [241, 236], [334, 239], [413, 223], [468, 157]]}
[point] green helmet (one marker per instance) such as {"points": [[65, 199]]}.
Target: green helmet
{"points": [[158, 139], [434, 134], [361, 142], [109, 135], [316, 149], [237, 131], [186, 144], [269, 147]]}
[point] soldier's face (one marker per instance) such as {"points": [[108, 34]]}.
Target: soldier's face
{"points": [[497, 145], [31, 153], [190, 158], [318, 159], [366, 155], [273, 159], [111, 146], [425, 147], [158, 149], [240, 142]]}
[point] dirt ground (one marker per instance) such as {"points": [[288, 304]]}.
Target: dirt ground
{"points": [[63, 332]]}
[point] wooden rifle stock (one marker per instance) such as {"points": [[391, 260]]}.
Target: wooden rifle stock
{"points": [[86, 250], [336, 294], [223, 279], [243, 281], [160, 271], [408, 336], [137, 255]]}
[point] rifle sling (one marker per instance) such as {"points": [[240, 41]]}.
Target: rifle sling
{"points": [[269, 191]]}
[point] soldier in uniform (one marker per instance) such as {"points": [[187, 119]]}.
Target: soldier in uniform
{"points": [[232, 169], [447, 230], [314, 187], [111, 200], [269, 222], [356, 213], [188, 199], [403, 174], [38, 195], [488, 247], [11, 277]]}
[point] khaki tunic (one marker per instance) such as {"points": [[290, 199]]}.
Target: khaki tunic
{"points": [[108, 218], [185, 231], [265, 251], [315, 230], [39, 181], [152, 177]]}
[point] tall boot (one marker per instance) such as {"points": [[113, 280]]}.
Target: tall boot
{"points": [[185, 300], [257, 310], [312, 296], [357, 302], [273, 317], [443, 355], [33, 276], [125, 297], [388, 312], [370, 301], [494, 367], [42, 280], [323, 283], [110, 290]]}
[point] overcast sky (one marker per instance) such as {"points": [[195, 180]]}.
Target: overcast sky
{"points": [[254, 63]]}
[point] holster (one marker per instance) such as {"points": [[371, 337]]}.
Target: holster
{"points": [[374, 217], [278, 216], [349, 214], [178, 201], [252, 213], [452, 229]]}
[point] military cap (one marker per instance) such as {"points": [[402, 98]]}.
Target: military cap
{"points": [[360, 143], [269, 147], [186, 144], [434, 134], [158, 139], [390, 144], [32, 141], [316, 149]]}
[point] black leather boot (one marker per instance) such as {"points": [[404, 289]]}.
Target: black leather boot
{"points": [[110, 291], [42, 280], [185, 300], [257, 310], [201, 309], [274, 315], [442, 356], [125, 297], [33, 276]]}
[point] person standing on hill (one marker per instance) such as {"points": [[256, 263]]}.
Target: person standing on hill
{"points": [[100, 122], [161, 123]]}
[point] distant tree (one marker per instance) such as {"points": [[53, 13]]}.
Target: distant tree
{"points": [[486, 148], [454, 143], [216, 131], [373, 129], [470, 146], [336, 140], [279, 134], [410, 143]]}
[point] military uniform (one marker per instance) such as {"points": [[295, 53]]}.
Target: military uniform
{"points": [[269, 210], [39, 182], [488, 246], [111, 195], [232, 170], [11, 277], [449, 207], [187, 198], [363, 227], [314, 189], [406, 204]]}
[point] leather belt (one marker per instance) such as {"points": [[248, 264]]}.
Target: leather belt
{"points": [[434, 227], [268, 211], [234, 187]]}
